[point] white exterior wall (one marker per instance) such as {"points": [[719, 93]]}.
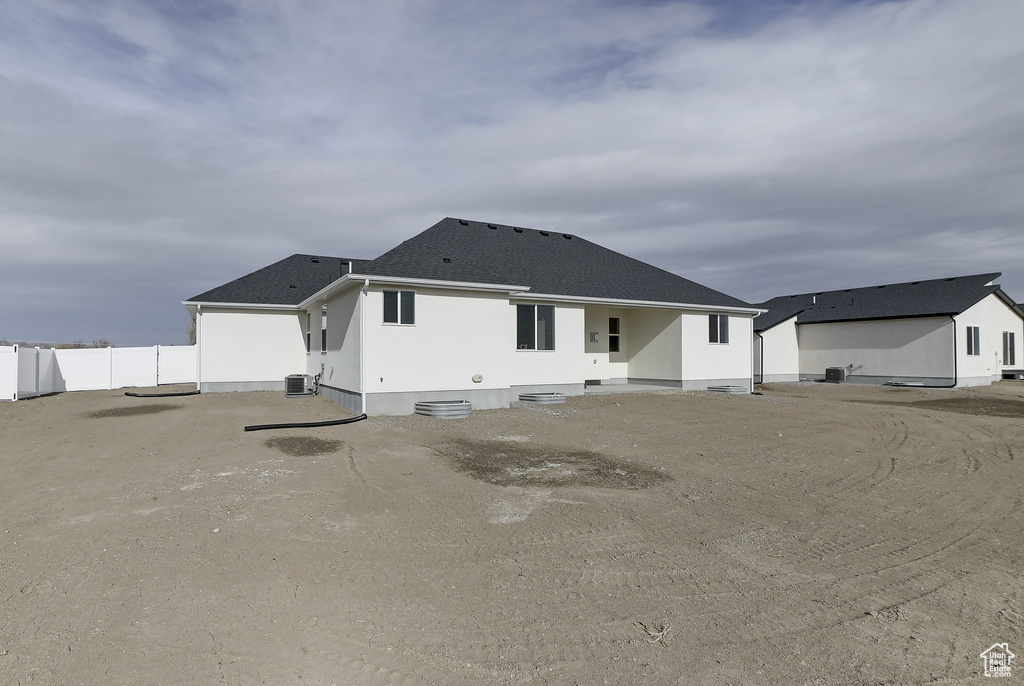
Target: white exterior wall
{"points": [[879, 350], [455, 336], [566, 364], [712, 362], [992, 317], [8, 372], [776, 353], [342, 363], [655, 345], [248, 348], [460, 334]]}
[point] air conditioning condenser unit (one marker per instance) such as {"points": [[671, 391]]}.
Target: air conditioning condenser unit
{"points": [[298, 385], [835, 374]]}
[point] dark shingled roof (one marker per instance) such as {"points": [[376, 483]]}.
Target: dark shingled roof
{"points": [[287, 282], [549, 263], [934, 298]]}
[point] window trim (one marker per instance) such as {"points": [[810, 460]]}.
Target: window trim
{"points": [[309, 323], [718, 329], [405, 302], [535, 318], [323, 330], [615, 335], [974, 341]]}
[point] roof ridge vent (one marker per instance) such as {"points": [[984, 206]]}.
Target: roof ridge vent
{"points": [[491, 226], [517, 229], [315, 259], [567, 236], [464, 222], [544, 233], [446, 259]]}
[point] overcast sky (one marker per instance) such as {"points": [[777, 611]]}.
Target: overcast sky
{"points": [[151, 150]]}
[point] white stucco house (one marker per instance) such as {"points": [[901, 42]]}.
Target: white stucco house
{"points": [[472, 311], [959, 331]]}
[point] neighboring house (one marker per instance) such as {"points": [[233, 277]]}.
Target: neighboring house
{"points": [[959, 331], [469, 311]]}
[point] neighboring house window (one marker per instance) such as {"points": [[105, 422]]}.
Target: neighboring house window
{"points": [[535, 327], [718, 328], [323, 329], [973, 340], [613, 335], [399, 307], [308, 324], [1009, 348]]}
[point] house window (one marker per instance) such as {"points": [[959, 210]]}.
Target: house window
{"points": [[973, 340], [308, 324], [613, 335], [323, 329], [535, 327], [718, 328], [399, 307], [1009, 349]]}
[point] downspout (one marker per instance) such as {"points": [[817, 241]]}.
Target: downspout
{"points": [[362, 345], [760, 353], [199, 348], [956, 372]]}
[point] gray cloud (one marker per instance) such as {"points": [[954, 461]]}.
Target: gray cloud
{"points": [[150, 155]]}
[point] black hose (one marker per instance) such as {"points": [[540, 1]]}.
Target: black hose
{"points": [[160, 395], [304, 425]]}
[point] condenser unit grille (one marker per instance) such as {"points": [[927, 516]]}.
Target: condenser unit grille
{"points": [[835, 374], [297, 384]]}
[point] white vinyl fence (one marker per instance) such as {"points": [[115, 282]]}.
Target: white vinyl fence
{"points": [[28, 372]]}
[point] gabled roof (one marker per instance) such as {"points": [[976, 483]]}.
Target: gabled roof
{"points": [[548, 262], [287, 282], [933, 298], [460, 251]]}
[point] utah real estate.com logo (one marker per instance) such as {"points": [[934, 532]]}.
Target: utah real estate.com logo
{"points": [[997, 660]]}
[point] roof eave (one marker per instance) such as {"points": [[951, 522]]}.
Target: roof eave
{"points": [[586, 300], [357, 279], [875, 319], [242, 306]]}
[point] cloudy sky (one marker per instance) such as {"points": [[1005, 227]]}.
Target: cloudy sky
{"points": [[150, 150]]}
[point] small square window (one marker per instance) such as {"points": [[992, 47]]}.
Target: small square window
{"points": [[535, 327], [399, 307]]}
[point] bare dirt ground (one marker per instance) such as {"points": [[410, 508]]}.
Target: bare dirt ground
{"points": [[815, 534]]}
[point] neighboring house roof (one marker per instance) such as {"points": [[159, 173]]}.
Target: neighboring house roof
{"points": [[460, 251], [287, 282], [933, 298], [548, 262]]}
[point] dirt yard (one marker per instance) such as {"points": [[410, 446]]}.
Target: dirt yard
{"points": [[815, 534]]}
